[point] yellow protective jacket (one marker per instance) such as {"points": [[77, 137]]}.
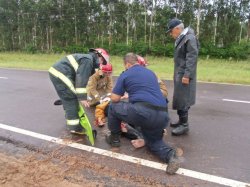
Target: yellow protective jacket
{"points": [[99, 85]]}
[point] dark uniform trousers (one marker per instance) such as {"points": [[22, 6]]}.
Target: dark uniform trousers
{"points": [[69, 101], [151, 122]]}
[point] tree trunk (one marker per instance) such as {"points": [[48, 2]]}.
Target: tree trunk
{"points": [[145, 25], [51, 35], [198, 18], [248, 31], [215, 24], [241, 27], [19, 31], [127, 35], [34, 31], [47, 38], [76, 39]]}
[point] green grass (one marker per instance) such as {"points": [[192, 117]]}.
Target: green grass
{"points": [[211, 70]]}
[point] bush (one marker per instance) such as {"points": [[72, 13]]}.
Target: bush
{"points": [[236, 51], [119, 49], [31, 49], [57, 49], [140, 48]]}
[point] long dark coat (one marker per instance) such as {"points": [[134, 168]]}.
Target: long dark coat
{"points": [[185, 64]]}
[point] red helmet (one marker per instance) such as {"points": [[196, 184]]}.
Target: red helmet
{"points": [[101, 52], [106, 68], [141, 61]]}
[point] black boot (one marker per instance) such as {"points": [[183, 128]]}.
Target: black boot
{"points": [[182, 128], [175, 124], [113, 139], [173, 163]]}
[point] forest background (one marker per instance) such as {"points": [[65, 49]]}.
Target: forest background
{"points": [[120, 26]]}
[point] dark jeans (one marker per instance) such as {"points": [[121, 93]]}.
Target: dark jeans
{"points": [[152, 122]]}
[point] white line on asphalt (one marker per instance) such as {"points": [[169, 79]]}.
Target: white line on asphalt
{"points": [[3, 78], [236, 101], [143, 162], [224, 83]]}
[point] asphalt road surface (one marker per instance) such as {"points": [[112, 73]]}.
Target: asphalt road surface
{"points": [[216, 151]]}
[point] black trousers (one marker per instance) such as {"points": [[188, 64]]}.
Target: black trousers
{"points": [[151, 122]]}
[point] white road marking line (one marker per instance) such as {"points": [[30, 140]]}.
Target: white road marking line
{"points": [[223, 83], [236, 101], [143, 162], [3, 78]]}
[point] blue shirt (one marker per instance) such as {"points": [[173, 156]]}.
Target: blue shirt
{"points": [[141, 84]]}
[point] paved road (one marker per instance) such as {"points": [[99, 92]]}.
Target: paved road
{"points": [[218, 143]]}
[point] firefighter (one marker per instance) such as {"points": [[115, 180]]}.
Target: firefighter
{"points": [[70, 76], [99, 89], [100, 84]]}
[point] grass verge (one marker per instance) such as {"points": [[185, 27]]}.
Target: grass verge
{"points": [[210, 70]]}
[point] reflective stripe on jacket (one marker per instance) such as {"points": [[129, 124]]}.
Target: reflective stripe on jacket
{"points": [[75, 70]]}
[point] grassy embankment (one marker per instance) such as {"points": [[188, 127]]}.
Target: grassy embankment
{"points": [[211, 70]]}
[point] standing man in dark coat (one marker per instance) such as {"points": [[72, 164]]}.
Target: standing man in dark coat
{"points": [[185, 65]]}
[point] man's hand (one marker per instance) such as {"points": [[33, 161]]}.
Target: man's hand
{"points": [[125, 96], [85, 103], [115, 98], [185, 80]]}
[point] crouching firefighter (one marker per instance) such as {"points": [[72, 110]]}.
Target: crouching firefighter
{"points": [[70, 76]]}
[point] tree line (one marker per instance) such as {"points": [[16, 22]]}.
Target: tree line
{"points": [[222, 26]]}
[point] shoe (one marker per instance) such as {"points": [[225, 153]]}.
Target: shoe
{"points": [[58, 102], [180, 130], [113, 139], [175, 124], [77, 132], [173, 163]]}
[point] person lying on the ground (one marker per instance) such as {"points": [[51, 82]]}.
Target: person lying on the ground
{"points": [[134, 134]]}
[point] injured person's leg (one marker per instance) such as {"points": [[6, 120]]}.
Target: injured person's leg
{"points": [[138, 143]]}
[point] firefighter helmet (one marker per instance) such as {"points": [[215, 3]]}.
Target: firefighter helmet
{"points": [[141, 61], [106, 68], [101, 52]]}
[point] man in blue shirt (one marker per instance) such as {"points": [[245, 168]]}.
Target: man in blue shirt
{"points": [[146, 108]]}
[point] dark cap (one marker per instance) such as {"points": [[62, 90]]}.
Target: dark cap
{"points": [[172, 24]]}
